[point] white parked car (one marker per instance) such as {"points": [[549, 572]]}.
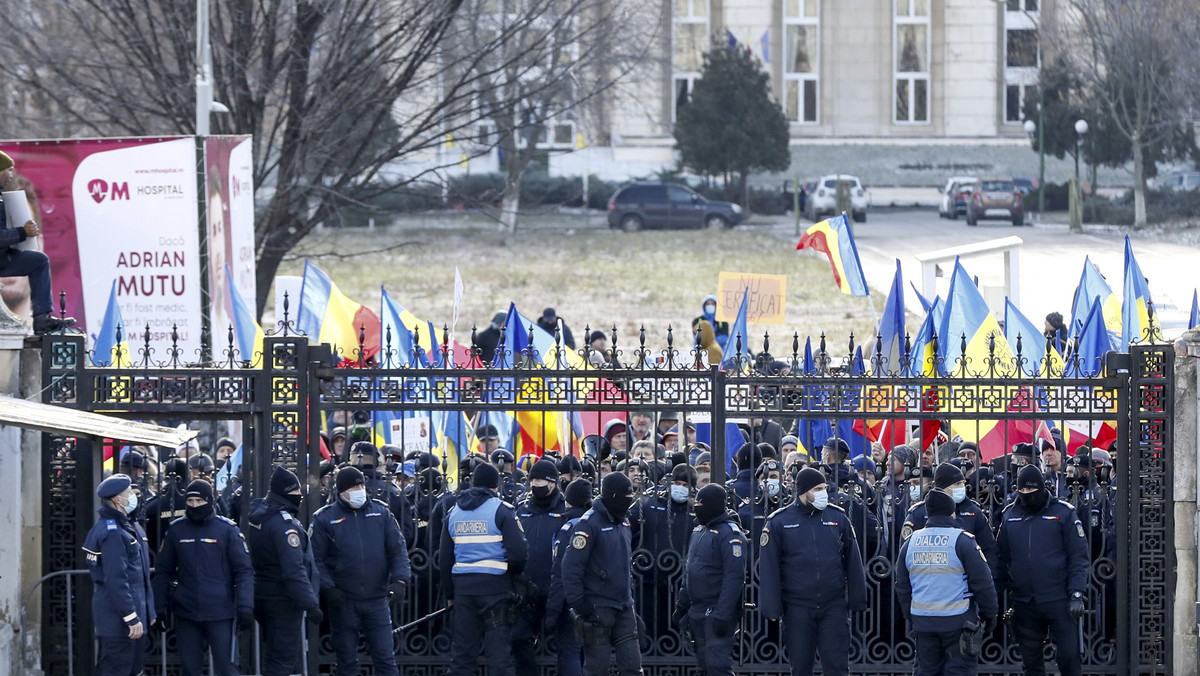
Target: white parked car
{"points": [[954, 195], [823, 195]]}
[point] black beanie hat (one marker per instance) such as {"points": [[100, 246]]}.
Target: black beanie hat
{"points": [[485, 476], [839, 445], [349, 477], [1030, 477], [710, 503], [684, 473], [200, 489], [579, 493], [938, 503], [570, 465], [283, 481], [946, 475], [807, 479], [748, 456], [615, 485], [544, 469]]}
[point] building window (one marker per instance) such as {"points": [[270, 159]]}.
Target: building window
{"points": [[911, 61], [689, 41], [1022, 48], [801, 57], [1018, 6], [1015, 96]]}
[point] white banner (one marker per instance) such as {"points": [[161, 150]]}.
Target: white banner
{"points": [[136, 222]]}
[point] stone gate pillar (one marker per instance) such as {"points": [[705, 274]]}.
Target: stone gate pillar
{"points": [[18, 500], [1187, 519]]}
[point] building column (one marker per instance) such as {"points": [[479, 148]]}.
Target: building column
{"points": [[1185, 488]]}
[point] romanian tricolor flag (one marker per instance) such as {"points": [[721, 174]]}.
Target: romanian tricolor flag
{"points": [[107, 350], [1091, 344], [247, 331], [1019, 330], [400, 332], [1092, 286], [834, 238], [891, 326], [1135, 308], [329, 316]]}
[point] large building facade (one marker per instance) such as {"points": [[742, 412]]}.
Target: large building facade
{"points": [[900, 92]]}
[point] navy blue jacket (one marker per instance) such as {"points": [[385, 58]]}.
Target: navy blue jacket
{"points": [[1043, 556], [555, 603], [203, 570], [161, 510], [597, 564], [716, 569], [809, 557], [119, 562], [979, 582], [359, 551], [666, 525], [383, 490], [969, 516], [753, 515], [281, 554], [513, 540], [541, 523], [742, 485]]}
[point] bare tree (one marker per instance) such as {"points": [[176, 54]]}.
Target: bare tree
{"points": [[556, 58], [333, 91], [1139, 59]]}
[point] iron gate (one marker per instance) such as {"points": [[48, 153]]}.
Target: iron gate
{"points": [[283, 400]]}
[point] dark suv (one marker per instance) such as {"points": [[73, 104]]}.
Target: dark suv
{"points": [[668, 205]]}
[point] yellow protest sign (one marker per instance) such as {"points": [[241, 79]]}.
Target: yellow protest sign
{"points": [[768, 294]]}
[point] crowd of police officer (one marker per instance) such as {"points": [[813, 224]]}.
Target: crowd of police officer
{"points": [[612, 549]]}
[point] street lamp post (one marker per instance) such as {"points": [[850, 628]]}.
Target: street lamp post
{"points": [[1081, 128], [1030, 127]]}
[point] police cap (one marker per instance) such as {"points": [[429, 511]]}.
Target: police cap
{"points": [[113, 486]]}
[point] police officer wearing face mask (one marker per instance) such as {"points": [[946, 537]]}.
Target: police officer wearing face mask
{"points": [[542, 514], [968, 515], [770, 496], [666, 528], [570, 653], [169, 504], [363, 562], [285, 575], [597, 581], [203, 577], [1043, 562], [118, 560], [811, 575], [709, 603], [482, 550], [944, 585]]}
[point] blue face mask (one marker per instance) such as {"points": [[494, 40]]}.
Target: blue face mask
{"points": [[679, 493], [773, 487], [133, 503], [959, 494], [820, 500], [914, 493], [357, 498]]}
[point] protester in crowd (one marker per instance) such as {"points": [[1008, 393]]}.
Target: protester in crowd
{"points": [[708, 313], [550, 322]]}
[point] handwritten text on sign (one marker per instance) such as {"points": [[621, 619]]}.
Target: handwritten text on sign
{"points": [[767, 296]]}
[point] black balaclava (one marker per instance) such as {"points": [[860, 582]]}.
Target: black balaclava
{"points": [[616, 493], [199, 489], [710, 503], [1031, 477]]}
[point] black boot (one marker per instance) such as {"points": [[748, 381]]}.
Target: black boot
{"points": [[48, 323]]}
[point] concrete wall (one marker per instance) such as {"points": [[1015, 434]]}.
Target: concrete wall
{"points": [[18, 501], [1187, 439]]}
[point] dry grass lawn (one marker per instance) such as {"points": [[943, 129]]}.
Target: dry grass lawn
{"points": [[591, 275]]}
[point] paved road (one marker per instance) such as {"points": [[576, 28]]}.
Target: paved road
{"points": [[1051, 261]]}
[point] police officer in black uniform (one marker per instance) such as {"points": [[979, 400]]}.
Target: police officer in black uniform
{"points": [[710, 597], [363, 562], [847, 492], [118, 559], [542, 514], [770, 496], [1043, 563], [511, 490], [945, 587], [811, 575], [203, 577], [570, 653], [482, 549], [597, 581], [169, 504], [968, 515], [285, 575]]}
